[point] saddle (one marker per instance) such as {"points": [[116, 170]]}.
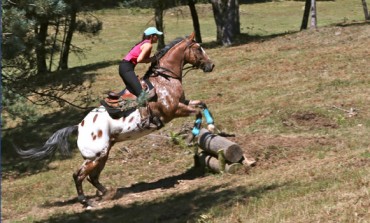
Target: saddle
{"points": [[123, 103]]}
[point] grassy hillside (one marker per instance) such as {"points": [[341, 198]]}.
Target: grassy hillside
{"points": [[298, 103]]}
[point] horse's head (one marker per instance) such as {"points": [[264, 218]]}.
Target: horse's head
{"points": [[196, 56], [172, 58]]}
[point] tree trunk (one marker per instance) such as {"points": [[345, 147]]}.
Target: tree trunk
{"points": [[54, 46], [313, 15], [63, 62], [159, 25], [226, 14], [366, 12], [306, 15], [41, 32], [194, 16]]}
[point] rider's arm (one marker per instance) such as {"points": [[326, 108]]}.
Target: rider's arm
{"points": [[144, 56]]}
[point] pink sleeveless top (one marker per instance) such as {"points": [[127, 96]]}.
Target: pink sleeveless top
{"points": [[135, 52]]}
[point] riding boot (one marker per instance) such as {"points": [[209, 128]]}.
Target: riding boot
{"points": [[145, 97], [147, 121]]}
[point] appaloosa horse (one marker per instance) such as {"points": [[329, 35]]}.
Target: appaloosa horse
{"points": [[98, 131]]}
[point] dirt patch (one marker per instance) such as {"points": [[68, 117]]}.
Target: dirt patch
{"points": [[309, 121], [270, 151]]}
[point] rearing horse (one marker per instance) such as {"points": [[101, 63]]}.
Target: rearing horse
{"points": [[98, 132]]}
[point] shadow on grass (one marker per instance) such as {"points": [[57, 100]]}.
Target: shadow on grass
{"points": [[182, 207], [27, 135], [165, 183], [34, 135]]}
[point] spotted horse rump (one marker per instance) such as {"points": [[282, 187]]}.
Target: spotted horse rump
{"points": [[98, 130]]}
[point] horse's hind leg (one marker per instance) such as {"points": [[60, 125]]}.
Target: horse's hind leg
{"points": [[93, 177], [90, 169], [79, 176]]}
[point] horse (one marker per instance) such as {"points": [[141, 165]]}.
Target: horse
{"points": [[98, 131]]}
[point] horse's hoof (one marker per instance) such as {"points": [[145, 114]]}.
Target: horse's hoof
{"points": [[109, 195], [88, 204], [99, 193], [85, 202], [190, 140]]}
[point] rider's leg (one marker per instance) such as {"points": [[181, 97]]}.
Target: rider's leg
{"points": [[128, 75]]}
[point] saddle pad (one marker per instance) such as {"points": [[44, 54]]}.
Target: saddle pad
{"points": [[117, 112]]}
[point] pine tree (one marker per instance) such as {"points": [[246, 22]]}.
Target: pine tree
{"points": [[27, 42]]}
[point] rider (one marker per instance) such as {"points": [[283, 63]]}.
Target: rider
{"points": [[140, 53]]}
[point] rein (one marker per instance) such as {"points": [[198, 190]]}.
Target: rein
{"points": [[158, 73], [190, 68]]}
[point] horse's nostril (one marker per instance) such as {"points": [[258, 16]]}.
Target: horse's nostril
{"points": [[208, 67]]}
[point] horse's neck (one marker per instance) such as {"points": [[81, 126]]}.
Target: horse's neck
{"points": [[174, 68], [174, 61]]}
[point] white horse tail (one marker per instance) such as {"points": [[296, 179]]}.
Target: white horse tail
{"points": [[58, 140]]}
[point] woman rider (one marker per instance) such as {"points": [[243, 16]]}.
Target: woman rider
{"points": [[140, 53]]}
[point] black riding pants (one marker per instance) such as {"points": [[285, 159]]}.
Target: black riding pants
{"points": [[128, 75]]}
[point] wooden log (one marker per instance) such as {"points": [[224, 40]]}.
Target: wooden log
{"points": [[213, 143], [213, 164]]}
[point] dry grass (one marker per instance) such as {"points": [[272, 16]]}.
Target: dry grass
{"points": [[276, 95]]}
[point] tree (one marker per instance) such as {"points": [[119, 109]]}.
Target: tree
{"points": [[366, 12], [158, 17], [226, 14], [313, 15], [160, 6], [86, 24], [18, 62], [44, 16], [194, 16], [306, 14], [69, 29], [44, 12], [310, 6], [27, 41]]}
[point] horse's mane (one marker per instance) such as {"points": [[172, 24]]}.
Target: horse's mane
{"points": [[159, 54]]}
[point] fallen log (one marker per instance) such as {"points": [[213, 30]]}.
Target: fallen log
{"points": [[212, 143], [216, 165]]}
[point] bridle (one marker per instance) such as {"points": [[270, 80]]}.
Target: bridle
{"points": [[159, 70]]}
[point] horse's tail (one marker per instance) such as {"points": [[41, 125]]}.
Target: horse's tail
{"points": [[58, 140]]}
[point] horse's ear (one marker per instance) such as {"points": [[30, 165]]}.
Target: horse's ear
{"points": [[191, 36]]}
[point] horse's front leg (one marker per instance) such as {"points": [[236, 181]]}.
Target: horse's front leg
{"points": [[207, 114], [192, 107]]}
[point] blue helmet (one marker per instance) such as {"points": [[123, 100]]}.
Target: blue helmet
{"points": [[152, 30]]}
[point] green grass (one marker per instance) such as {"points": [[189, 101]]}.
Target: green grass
{"points": [[276, 92]]}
